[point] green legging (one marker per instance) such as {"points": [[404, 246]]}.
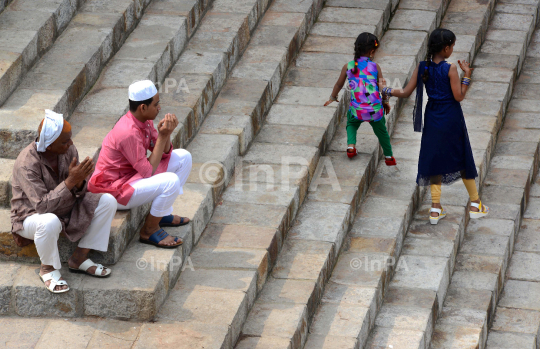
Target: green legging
{"points": [[379, 128]]}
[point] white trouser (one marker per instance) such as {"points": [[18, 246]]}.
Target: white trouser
{"points": [[162, 189], [45, 228]]}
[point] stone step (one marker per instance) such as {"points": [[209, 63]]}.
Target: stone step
{"points": [[192, 85], [199, 198], [287, 284], [29, 28], [4, 4], [248, 226], [375, 236], [163, 268], [411, 291], [6, 168], [73, 333], [224, 21], [135, 290], [202, 68], [517, 318], [482, 263], [164, 30], [239, 209], [69, 69]]}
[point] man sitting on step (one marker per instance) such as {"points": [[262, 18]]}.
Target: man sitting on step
{"points": [[50, 197], [124, 170]]}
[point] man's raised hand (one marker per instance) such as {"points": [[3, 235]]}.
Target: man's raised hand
{"points": [[167, 125], [78, 173]]}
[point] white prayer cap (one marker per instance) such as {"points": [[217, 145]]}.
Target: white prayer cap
{"points": [[50, 130], [142, 90]]}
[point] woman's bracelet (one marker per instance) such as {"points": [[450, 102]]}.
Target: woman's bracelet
{"points": [[333, 99], [387, 91], [466, 81]]}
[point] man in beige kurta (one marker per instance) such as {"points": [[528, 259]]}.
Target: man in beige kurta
{"points": [[50, 197]]}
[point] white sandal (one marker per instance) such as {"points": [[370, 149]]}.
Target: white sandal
{"points": [[54, 276], [440, 211], [483, 210], [83, 269]]}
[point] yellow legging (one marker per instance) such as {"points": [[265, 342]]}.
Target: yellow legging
{"points": [[470, 184]]}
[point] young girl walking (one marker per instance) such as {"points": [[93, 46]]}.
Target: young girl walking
{"points": [[366, 103], [445, 150]]}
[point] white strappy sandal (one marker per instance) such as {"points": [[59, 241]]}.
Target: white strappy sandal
{"points": [[54, 277], [440, 211], [83, 269], [483, 210]]}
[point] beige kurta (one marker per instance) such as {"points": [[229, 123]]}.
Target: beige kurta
{"points": [[37, 189]]}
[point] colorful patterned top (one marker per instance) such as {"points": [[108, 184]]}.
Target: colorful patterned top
{"points": [[366, 102]]}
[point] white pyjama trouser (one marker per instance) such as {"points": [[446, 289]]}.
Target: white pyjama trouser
{"points": [[162, 189], [45, 229]]}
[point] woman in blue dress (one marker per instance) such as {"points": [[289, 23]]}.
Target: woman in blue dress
{"points": [[445, 150]]}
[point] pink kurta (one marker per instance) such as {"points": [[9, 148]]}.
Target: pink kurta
{"points": [[123, 158]]}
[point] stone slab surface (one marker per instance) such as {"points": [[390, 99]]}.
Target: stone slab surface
{"points": [[270, 336], [478, 267], [24, 44], [101, 38], [200, 208]]}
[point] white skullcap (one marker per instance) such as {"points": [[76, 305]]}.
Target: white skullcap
{"points": [[50, 130], [142, 90]]}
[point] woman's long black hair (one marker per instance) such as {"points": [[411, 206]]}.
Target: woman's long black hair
{"points": [[364, 43], [438, 41]]}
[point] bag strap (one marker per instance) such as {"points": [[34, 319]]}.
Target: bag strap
{"points": [[417, 112]]}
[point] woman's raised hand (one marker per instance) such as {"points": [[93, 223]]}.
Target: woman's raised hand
{"points": [[465, 66]]}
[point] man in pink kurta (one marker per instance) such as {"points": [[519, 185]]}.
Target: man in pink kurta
{"points": [[124, 170], [123, 159]]}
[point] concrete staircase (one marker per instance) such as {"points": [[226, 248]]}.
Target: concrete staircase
{"points": [[282, 314], [487, 244], [29, 29], [136, 293], [413, 298], [273, 254], [352, 313], [68, 70], [516, 319], [4, 4], [493, 251], [425, 295], [164, 33]]}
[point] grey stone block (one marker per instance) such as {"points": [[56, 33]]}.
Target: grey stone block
{"points": [[309, 224]]}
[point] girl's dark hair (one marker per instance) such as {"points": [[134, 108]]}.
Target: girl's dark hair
{"points": [[438, 41], [364, 43]]}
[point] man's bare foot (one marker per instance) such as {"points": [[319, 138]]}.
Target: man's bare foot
{"points": [[177, 220], [78, 257], [168, 241], [76, 263], [434, 205], [45, 269]]}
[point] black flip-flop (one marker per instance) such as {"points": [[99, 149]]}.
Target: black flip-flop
{"points": [[155, 238], [167, 221]]}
